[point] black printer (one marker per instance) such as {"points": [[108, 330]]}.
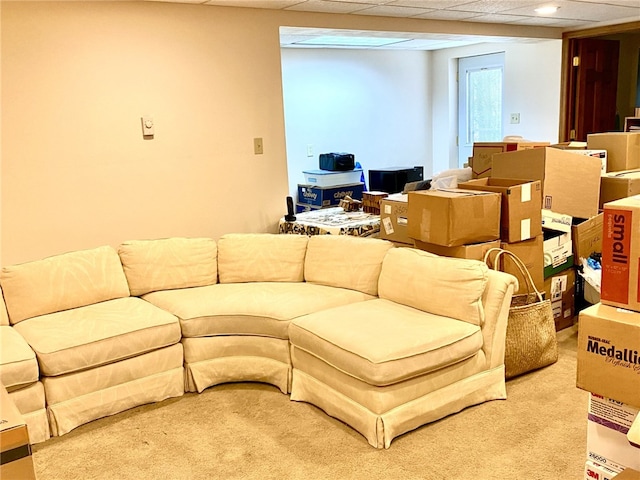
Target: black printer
{"points": [[337, 162]]}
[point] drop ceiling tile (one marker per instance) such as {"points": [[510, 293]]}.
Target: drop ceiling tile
{"points": [[497, 18], [622, 3], [394, 11], [447, 15], [436, 4], [328, 6], [575, 10], [495, 6], [271, 4]]}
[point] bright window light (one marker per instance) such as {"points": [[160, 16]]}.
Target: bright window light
{"points": [[550, 10], [337, 41]]}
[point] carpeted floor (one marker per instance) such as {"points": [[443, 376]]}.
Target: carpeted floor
{"points": [[252, 431]]}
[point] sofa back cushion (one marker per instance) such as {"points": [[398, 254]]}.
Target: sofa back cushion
{"points": [[261, 257], [62, 282], [169, 263], [451, 287], [345, 261]]}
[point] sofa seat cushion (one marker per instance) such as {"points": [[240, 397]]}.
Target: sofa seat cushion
{"points": [[249, 308], [18, 364], [98, 334], [381, 342]]}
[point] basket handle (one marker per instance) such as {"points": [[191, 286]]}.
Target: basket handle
{"points": [[531, 287]]}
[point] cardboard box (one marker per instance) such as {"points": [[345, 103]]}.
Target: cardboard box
{"points": [[616, 185], [594, 471], [570, 182], [608, 422], [586, 236], [520, 217], [561, 289], [483, 152], [14, 441], [628, 474], [454, 217], [608, 358], [328, 196], [620, 284], [475, 251], [531, 252], [623, 149], [558, 252], [394, 220]]}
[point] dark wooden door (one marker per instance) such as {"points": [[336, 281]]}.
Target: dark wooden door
{"points": [[593, 87]]}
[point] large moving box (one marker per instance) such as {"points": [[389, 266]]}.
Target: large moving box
{"points": [[484, 151], [616, 185], [394, 220], [623, 149], [570, 182], [14, 441], [454, 217], [621, 253], [474, 251], [608, 353], [520, 217]]}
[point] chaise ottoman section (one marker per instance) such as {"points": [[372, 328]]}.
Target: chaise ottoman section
{"points": [[382, 343], [416, 354]]}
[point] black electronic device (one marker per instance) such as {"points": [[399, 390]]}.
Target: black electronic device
{"points": [[337, 162], [393, 179], [290, 217]]}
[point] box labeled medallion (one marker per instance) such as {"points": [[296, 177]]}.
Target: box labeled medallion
{"points": [[609, 353]]}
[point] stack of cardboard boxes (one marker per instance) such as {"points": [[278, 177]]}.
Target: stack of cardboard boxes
{"points": [[609, 346]]}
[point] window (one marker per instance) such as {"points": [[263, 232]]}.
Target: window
{"points": [[479, 102]]}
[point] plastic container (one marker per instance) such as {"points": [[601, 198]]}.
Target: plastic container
{"points": [[326, 178]]}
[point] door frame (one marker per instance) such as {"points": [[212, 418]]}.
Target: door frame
{"points": [[565, 79]]}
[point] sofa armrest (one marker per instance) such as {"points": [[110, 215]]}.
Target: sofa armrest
{"points": [[496, 300]]}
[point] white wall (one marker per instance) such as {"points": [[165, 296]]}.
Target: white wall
{"points": [[372, 103], [399, 108], [531, 88], [77, 77]]}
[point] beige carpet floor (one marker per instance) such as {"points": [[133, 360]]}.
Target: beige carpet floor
{"points": [[252, 431]]}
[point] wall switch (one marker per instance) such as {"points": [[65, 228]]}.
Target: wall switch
{"points": [[515, 118], [309, 150], [147, 126], [257, 146]]}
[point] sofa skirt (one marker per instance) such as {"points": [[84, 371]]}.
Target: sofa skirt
{"points": [[381, 428], [220, 359], [31, 404], [73, 400]]}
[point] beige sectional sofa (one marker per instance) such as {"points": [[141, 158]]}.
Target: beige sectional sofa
{"points": [[385, 339]]}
